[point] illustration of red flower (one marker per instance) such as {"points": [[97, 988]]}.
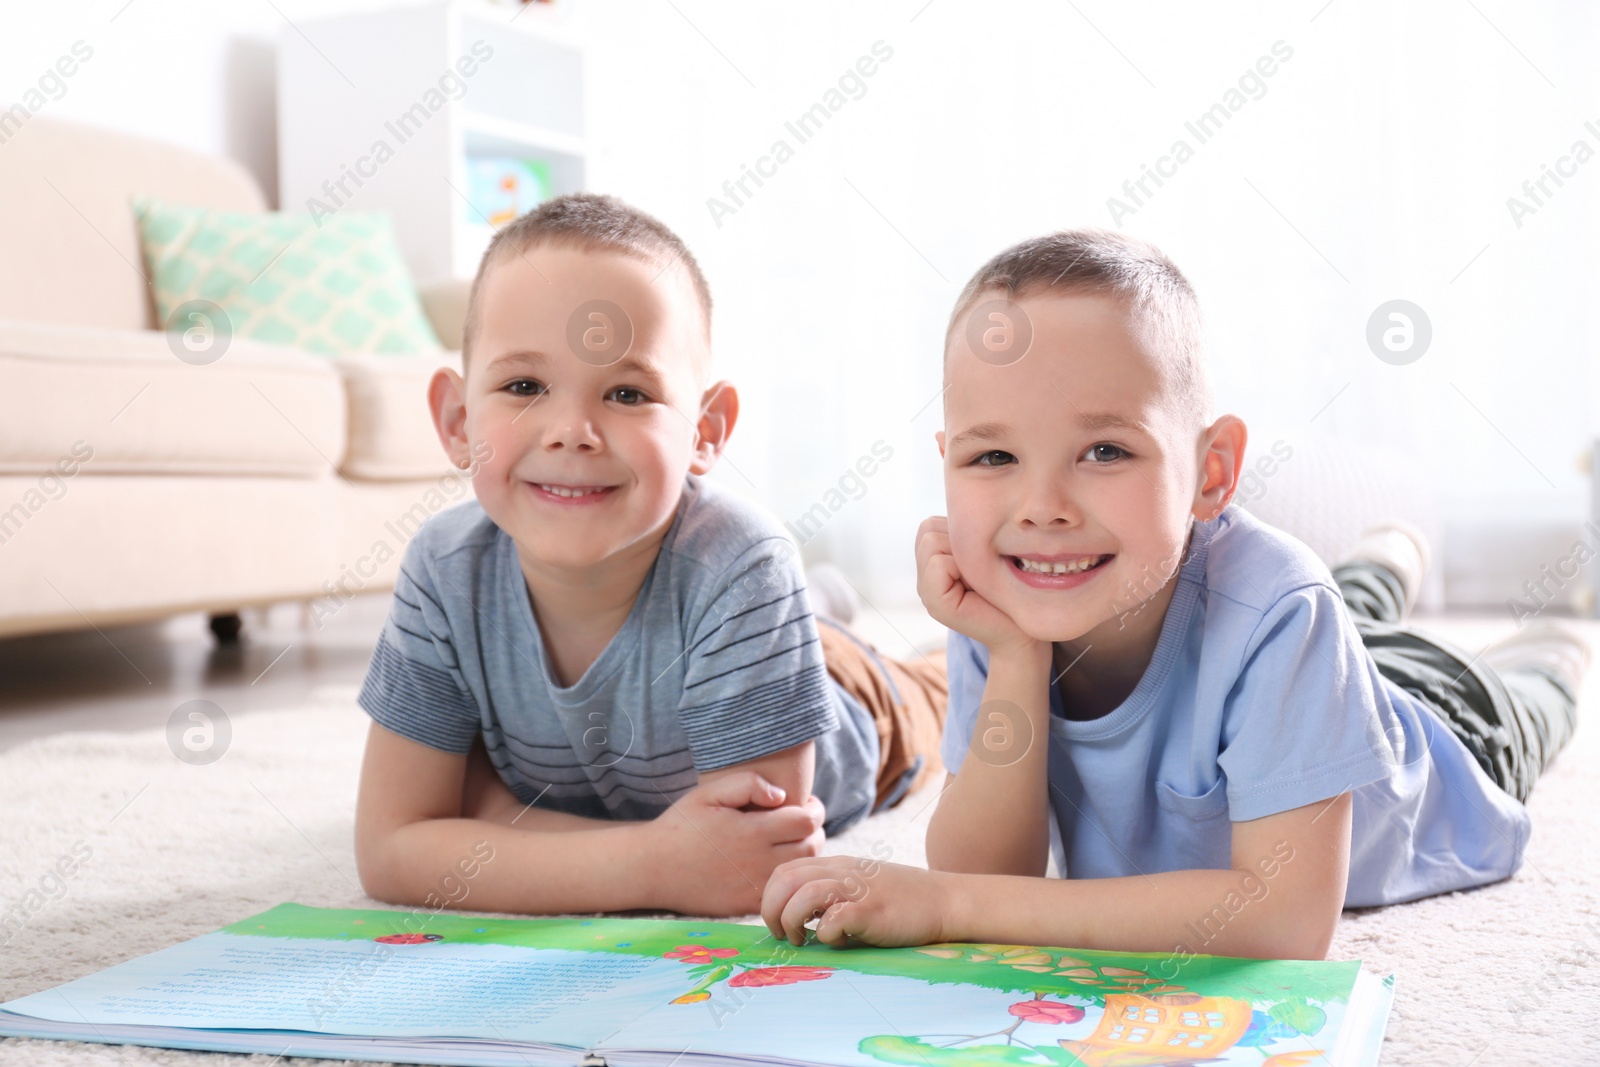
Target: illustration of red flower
{"points": [[1046, 1011], [699, 954], [763, 976]]}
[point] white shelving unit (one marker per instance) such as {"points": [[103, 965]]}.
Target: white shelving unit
{"points": [[382, 111]]}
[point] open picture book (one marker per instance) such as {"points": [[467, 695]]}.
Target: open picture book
{"points": [[426, 987]]}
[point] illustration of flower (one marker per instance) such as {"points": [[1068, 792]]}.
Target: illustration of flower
{"points": [[1046, 1011], [765, 976], [699, 954]]}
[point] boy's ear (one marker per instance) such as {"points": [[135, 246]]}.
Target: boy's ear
{"points": [[447, 400], [939, 437], [719, 410], [1221, 459]]}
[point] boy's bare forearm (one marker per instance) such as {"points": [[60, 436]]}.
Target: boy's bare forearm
{"points": [[994, 818], [560, 867], [547, 820], [1192, 912]]}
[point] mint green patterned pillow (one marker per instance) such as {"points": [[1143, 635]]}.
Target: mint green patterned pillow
{"points": [[280, 278]]}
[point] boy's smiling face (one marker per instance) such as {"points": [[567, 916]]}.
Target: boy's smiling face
{"points": [[586, 435], [1072, 473]]}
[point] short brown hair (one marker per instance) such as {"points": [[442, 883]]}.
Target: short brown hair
{"points": [[1104, 261], [592, 222]]}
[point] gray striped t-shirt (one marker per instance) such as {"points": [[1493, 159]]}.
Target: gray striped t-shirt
{"points": [[718, 663]]}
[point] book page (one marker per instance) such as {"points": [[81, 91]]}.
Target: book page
{"points": [[405, 986], [960, 1005]]}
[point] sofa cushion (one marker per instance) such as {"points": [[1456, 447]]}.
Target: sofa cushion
{"points": [[325, 285], [138, 408], [71, 249], [391, 430], [446, 305], [108, 550]]}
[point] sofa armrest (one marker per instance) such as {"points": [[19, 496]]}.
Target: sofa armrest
{"points": [[391, 429], [446, 305]]}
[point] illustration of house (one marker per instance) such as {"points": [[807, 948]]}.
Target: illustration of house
{"points": [[1142, 1031]]}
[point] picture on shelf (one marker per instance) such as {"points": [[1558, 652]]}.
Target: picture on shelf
{"points": [[501, 187]]}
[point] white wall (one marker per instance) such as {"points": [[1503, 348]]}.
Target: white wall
{"points": [[1376, 165]]}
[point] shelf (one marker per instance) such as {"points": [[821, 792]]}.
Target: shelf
{"points": [[487, 135], [533, 79], [504, 18], [521, 96]]}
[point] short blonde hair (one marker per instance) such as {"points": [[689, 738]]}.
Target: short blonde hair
{"points": [[1104, 261], [591, 222]]}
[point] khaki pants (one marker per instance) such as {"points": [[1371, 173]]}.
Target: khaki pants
{"points": [[907, 700]]}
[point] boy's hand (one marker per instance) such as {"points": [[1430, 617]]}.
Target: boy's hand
{"points": [[884, 904], [712, 858], [951, 601]]}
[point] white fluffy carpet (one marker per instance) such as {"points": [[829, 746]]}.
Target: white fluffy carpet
{"points": [[179, 850]]}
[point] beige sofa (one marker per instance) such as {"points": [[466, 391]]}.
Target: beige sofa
{"points": [[135, 485]]}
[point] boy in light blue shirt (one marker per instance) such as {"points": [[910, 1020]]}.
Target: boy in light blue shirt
{"points": [[1221, 742], [1254, 629]]}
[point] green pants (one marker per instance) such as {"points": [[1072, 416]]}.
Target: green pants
{"points": [[1513, 722]]}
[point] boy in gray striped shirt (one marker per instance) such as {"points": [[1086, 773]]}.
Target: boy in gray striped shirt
{"points": [[605, 672]]}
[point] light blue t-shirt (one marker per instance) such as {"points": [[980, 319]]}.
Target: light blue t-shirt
{"points": [[1260, 698], [718, 663]]}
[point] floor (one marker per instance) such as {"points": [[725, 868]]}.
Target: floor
{"points": [[1502, 974], [132, 677]]}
